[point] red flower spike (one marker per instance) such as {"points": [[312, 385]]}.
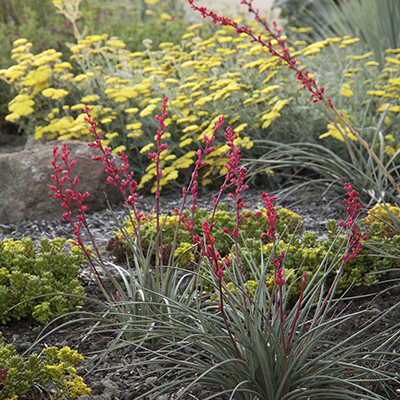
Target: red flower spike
{"points": [[272, 216], [354, 237], [275, 33]]}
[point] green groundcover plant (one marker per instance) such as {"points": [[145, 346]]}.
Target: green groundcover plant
{"points": [[27, 275], [244, 339], [49, 375], [305, 250]]}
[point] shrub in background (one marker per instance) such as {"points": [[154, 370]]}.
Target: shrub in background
{"points": [[26, 272], [46, 28], [373, 21], [203, 78]]}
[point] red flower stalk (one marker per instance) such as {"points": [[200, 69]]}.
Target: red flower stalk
{"points": [[70, 196], [236, 176], [354, 246], [283, 53], [156, 158], [272, 216], [126, 186], [354, 240], [208, 251], [193, 184]]}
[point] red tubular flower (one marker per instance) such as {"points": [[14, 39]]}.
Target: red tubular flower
{"points": [[68, 197], [275, 33], [272, 215], [353, 210], [193, 185], [109, 162]]}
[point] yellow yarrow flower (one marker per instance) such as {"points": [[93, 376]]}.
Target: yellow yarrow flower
{"points": [[240, 128], [132, 110], [116, 43], [185, 142], [90, 98], [136, 125], [269, 89], [334, 132], [193, 27], [165, 17], [148, 110], [350, 41], [48, 92], [187, 35], [19, 42], [117, 150], [190, 128], [59, 93], [146, 148], [12, 117], [80, 78], [392, 60], [78, 107], [165, 44], [21, 105], [135, 134], [346, 90]]}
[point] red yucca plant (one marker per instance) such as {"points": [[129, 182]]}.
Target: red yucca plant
{"points": [[244, 340]]}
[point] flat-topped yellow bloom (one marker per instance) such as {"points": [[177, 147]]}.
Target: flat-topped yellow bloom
{"points": [[345, 91], [240, 128], [80, 78], [133, 110], [117, 150], [134, 126], [148, 110], [146, 148], [111, 135], [90, 98], [19, 42], [334, 132]]}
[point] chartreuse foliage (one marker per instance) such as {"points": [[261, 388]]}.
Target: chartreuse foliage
{"points": [[306, 253], [26, 273], [303, 253], [381, 219], [250, 227], [203, 78], [52, 372]]}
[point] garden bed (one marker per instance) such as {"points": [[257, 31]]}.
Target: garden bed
{"points": [[115, 377]]}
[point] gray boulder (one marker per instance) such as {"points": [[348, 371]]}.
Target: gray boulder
{"points": [[25, 177]]}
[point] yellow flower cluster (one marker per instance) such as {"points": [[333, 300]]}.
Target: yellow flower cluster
{"points": [[223, 75]]}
